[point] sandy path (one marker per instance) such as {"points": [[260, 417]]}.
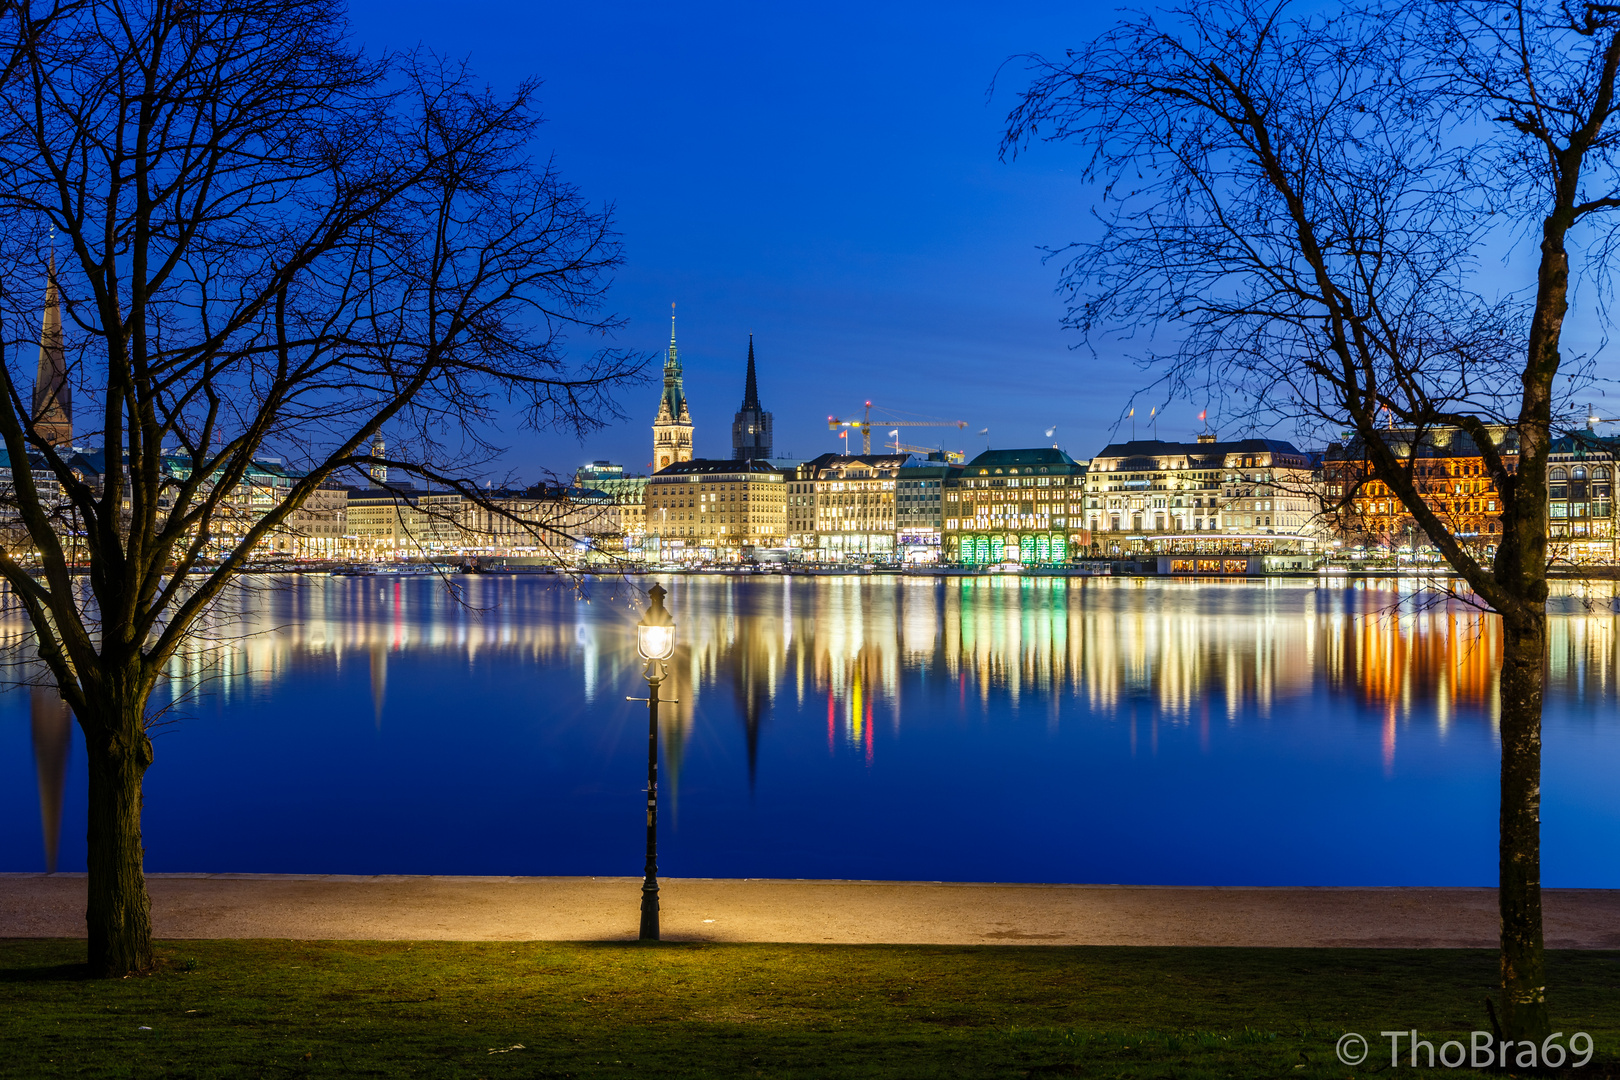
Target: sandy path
{"points": [[845, 912]]}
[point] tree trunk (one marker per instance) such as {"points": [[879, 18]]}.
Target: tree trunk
{"points": [[119, 915], [1524, 1002]]}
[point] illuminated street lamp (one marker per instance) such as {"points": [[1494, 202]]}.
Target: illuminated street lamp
{"points": [[655, 640]]}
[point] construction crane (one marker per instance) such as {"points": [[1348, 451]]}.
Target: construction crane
{"points": [[864, 425]]}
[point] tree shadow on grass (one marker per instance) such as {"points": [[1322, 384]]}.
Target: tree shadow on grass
{"points": [[43, 960], [46, 973]]}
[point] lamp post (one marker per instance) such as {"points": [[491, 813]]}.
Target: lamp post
{"points": [[655, 641]]}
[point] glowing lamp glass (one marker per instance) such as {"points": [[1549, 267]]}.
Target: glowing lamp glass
{"points": [[655, 642], [655, 633]]}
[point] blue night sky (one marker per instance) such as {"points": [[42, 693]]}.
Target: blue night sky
{"points": [[825, 176]]}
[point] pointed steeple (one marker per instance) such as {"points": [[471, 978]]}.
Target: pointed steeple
{"points": [[751, 390], [751, 427], [672, 427], [674, 386], [53, 398]]}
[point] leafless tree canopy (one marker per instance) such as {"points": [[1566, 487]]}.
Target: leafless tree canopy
{"points": [[271, 243], [266, 241], [1308, 212], [1311, 207]]}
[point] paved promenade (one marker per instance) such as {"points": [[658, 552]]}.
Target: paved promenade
{"points": [[843, 912]]}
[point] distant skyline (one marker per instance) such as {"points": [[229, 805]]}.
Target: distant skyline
{"points": [[827, 179], [823, 177]]}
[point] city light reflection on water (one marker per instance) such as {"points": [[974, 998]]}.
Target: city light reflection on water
{"points": [[951, 729]]}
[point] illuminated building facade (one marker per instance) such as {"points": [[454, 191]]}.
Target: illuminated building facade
{"points": [[1268, 488], [919, 511], [1580, 499], [628, 495], [801, 503], [383, 523], [567, 525], [672, 428], [1448, 471], [1148, 485], [1016, 506], [854, 504], [714, 509], [316, 530], [563, 525], [1205, 494]]}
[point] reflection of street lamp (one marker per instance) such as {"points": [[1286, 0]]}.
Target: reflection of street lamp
{"points": [[655, 641]]}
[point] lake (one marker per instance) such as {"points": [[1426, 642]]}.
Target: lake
{"points": [[1275, 732]]}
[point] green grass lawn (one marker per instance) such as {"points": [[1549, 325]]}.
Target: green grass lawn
{"points": [[436, 1009]]}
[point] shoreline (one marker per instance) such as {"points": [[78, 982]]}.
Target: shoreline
{"points": [[736, 910]]}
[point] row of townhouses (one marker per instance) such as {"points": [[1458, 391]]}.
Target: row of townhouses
{"points": [[1190, 502], [1200, 506]]}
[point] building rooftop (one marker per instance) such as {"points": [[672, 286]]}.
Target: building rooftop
{"points": [[1581, 443], [1159, 448], [1441, 442], [714, 466], [1048, 456]]}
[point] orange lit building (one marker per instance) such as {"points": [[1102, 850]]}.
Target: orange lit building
{"points": [[1450, 474]]}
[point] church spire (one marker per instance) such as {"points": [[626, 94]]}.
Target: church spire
{"points": [[53, 398], [751, 428], [751, 389]]}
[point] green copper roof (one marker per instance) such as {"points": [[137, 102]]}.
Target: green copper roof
{"points": [[1041, 455], [674, 391]]}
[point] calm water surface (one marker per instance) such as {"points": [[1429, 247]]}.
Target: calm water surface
{"points": [[1283, 732]]}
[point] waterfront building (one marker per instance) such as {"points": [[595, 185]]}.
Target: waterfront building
{"points": [[854, 504], [316, 530], [1207, 495], [13, 534], [403, 521], [597, 474], [1016, 506], [1150, 485], [672, 428], [1580, 499], [751, 429], [1269, 488], [559, 524], [707, 509], [381, 522], [919, 510], [1449, 472], [801, 503], [627, 494]]}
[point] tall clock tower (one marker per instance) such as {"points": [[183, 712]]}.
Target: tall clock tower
{"points": [[672, 430]]}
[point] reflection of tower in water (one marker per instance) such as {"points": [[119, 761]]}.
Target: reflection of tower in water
{"points": [[748, 687], [53, 736], [379, 680]]}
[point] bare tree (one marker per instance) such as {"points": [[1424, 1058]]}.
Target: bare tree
{"points": [[1300, 206], [269, 242]]}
